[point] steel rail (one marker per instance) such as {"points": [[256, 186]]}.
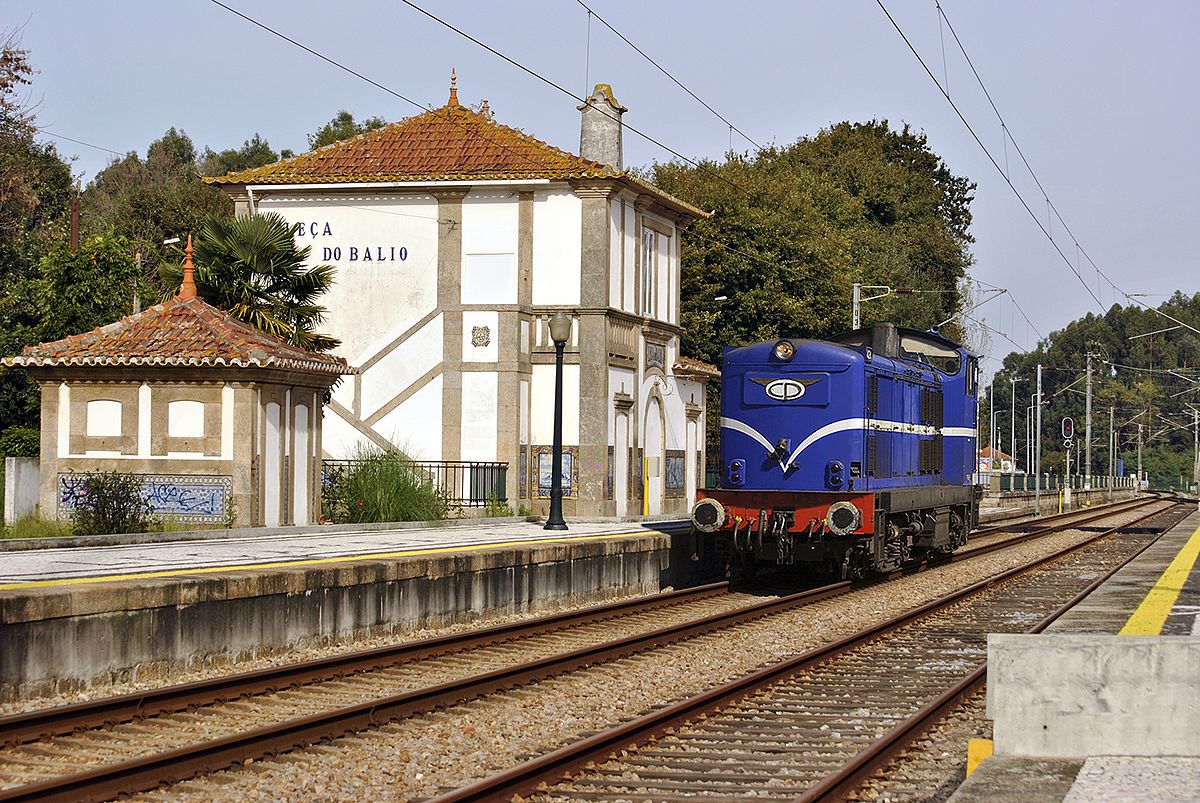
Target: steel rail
{"points": [[147, 772], [552, 767], [60, 720], [33, 725], [840, 784], [1021, 519]]}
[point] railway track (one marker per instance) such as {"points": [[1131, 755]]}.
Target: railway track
{"points": [[78, 753], [813, 727]]}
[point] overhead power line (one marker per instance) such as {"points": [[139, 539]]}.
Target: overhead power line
{"points": [[551, 83], [529, 159], [1033, 215], [673, 79], [732, 127], [48, 132]]}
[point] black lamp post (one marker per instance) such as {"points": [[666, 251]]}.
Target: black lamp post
{"points": [[560, 332]]}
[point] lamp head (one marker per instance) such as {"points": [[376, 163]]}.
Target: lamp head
{"points": [[560, 327]]}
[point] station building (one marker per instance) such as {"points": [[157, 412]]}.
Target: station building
{"points": [[455, 239]]}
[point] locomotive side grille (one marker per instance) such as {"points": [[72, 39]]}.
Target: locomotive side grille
{"points": [[872, 455], [939, 455], [873, 393]]}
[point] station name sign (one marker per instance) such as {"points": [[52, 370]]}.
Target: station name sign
{"points": [[338, 252]]}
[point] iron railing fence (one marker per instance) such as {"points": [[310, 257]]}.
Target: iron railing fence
{"points": [[465, 484], [1052, 482]]}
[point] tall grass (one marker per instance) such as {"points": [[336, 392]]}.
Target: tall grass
{"points": [[36, 527], [386, 486]]}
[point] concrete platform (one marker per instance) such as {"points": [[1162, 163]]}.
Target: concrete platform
{"points": [[1104, 704], [70, 617]]}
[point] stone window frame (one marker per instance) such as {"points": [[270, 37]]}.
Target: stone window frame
{"points": [[79, 442], [161, 395]]}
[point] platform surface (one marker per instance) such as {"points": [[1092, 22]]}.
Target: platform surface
{"points": [[1167, 605], [1156, 594], [53, 567]]}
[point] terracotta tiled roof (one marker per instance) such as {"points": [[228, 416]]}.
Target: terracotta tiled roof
{"points": [[179, 332], [453, 143], [692, 367]]}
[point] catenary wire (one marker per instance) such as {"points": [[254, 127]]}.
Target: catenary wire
{"points": [[549, 82], [989, 155], [668, 74]]}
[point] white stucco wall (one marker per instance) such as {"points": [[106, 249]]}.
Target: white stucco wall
{"points": [[630, 246], [400, 367], [480, 390], [489, 247], [614, 253], [557, 247], [415, 426], [542, 405], [344, 231]]}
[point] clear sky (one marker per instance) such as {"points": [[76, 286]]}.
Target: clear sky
{"points": [[1100, 96]]}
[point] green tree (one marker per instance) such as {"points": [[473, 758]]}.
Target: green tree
{"points": [[255, 152], [794, 227], [251, 267], [81, 290], [35, 192], [1153, 381], [150, 200], [342, 126]]}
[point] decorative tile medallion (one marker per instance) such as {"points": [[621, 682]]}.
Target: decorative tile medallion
{"points": [[481, 336], [192, 499]]}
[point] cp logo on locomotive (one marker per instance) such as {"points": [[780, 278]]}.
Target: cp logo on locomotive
{"points": [[785, 389]]}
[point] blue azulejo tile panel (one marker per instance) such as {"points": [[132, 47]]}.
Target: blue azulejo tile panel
{"points": [[202, 500]]}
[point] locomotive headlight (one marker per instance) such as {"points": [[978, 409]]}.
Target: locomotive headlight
{"points": [[708, 515], [784, 350]]}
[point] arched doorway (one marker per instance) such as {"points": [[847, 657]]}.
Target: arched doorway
{"points": [[652, 443]]}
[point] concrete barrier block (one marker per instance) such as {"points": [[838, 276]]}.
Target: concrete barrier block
{"points": [[1069, 696]]}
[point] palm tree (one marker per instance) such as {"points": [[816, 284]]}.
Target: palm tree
{"points": [[252, 268]]}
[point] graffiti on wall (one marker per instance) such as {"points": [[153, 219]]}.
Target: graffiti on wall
{"points": [[193, 499]]}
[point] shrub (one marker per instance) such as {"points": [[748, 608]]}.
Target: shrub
{"points": [[20, 442], [111, 502], [495, 508], [387, 486]]}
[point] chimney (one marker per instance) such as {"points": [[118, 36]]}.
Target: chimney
{"points": [[600, 128]]}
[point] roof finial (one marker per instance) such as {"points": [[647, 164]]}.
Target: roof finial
{"points": [[188, 288], [453, 88]]}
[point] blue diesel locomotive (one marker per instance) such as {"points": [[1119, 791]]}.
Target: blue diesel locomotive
{"points": [[847, 456]]}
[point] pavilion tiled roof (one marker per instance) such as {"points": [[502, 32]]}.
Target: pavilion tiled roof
{"points": [[181, 332], [452, 143]]}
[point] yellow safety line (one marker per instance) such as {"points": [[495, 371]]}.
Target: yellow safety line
{"points": [[1151, 615], [307, 562]]}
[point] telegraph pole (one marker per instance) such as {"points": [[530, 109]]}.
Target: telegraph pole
{"points": [[1112, 450], [1196, 447], [1087, 427], [856, 312], [1012, 429], [992, 425], [1139, 474], [1037, 449]]}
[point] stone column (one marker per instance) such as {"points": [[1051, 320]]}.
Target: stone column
{"points": [[449, 301], [593, 351]]}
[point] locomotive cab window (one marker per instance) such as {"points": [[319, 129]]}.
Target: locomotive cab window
{"points": [[929, 352]]}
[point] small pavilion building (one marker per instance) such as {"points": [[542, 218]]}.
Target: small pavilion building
{"points": [[455, 239], [221, 421]]}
